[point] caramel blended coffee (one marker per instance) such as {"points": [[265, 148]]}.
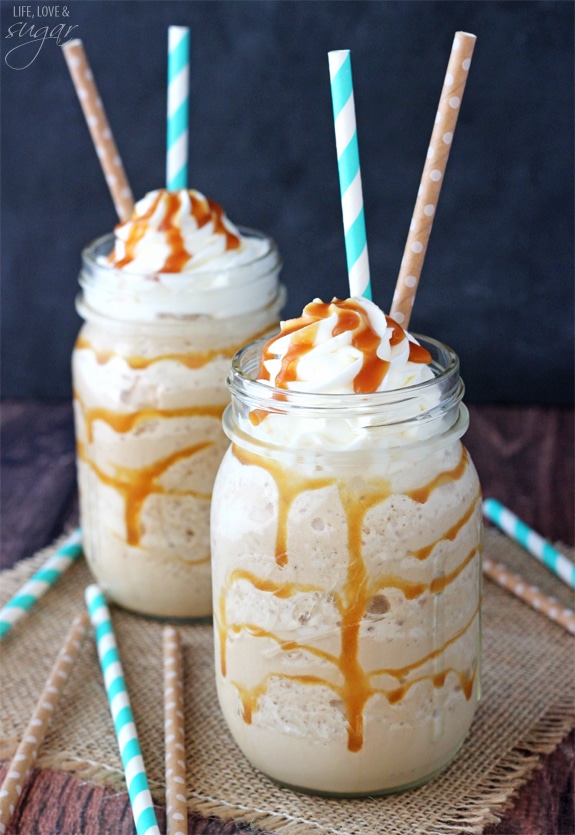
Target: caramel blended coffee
{"points": [[346, 548], [167, 302]]}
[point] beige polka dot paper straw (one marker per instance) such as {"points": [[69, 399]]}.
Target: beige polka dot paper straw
{"points": [[531, 595], [34, 734], [432, 177], [99, 127], [176, 805]]}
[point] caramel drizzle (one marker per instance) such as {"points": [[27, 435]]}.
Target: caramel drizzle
{"points": [[357, 592], [203, 212], [352, 318], [123, 422], [136, 484], [423, 493], [286, 497], [190, 359], [250, 696], [423, 553]]}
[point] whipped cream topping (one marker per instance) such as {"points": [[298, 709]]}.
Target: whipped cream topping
{"points": [[344, 376], [178, 231], [179, 257], [343, 347]]}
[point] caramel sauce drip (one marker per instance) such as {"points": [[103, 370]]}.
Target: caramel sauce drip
{"points": [[352, 318], [203, 212], [123, 422], [352, 604], [190, 359], [422, 494], [136, 484], [412, 590], [287, 495], [282, 589], [251, 695], [423, 553]]}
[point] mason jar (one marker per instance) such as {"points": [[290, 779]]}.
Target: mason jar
{"points": [[149, 374], [346, 539]]}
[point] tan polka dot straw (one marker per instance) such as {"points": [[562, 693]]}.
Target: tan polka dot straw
{"points": [[529, 594], [34, 734], [99, 128], [432, 177], [176, 801]]}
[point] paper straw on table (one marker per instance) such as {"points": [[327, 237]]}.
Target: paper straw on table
{"points": [[39, 584], [119, 701], [178, 107], [99, 127], [27, 751], [432, 177], [349, 172], [538, 547], [176, 805], [531, 595]]}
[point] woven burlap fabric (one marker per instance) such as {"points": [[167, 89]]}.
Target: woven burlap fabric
{"points": [[526, 708]]}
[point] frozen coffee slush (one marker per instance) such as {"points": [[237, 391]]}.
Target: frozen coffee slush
{"points": [[167, 301], [346, 548]]}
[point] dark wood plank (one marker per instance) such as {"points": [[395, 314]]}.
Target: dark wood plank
{"points": [[38, 487], [524, 456], [546, 804], [55, 803]]}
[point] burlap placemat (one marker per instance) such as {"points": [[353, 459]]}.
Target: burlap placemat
{"points": [[526, 709]]}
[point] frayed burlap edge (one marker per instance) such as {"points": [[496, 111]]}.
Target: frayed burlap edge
{"points": [[493, 794]]}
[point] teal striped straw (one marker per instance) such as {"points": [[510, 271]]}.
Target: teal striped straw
{"points": [[178, 107], [126, 734], [38, 585], [349, 172], [538, 547]]}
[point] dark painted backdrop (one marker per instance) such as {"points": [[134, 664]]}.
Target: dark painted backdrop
{"points": [[497, 284]]}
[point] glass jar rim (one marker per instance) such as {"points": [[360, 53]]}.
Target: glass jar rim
{"points": [[221, 292], [244, 385]]}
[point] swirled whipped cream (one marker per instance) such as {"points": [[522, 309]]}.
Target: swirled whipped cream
{"points": [[179, 256], [343, 347], [350, 377], [178, 231]]}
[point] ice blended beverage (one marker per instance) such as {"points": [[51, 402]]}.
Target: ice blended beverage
{"points": [[167, 301], [346, 547]]}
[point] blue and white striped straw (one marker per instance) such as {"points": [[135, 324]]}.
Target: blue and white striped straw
{"points": [[349, 172], [38, 585], [126, 734], [530, 540], [178, 107]]}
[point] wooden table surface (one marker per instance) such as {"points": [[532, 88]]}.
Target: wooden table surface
{"points": [[524, 456]]}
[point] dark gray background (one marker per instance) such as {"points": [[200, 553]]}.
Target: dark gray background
{"points": [[497, 284]]}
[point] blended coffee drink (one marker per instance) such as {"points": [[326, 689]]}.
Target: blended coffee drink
{"points": [[167, 302], [346, 555]]}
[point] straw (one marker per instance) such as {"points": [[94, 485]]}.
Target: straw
{"points": [[38, 585], [126, 734], [432, 177], [531, 595], [178, 92], [349, 172], [176, 805], [34, 734], [538, 547], [99, 127]]}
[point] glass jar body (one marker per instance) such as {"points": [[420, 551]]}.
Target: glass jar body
{"points": [[148, 401], [346, 593]]}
